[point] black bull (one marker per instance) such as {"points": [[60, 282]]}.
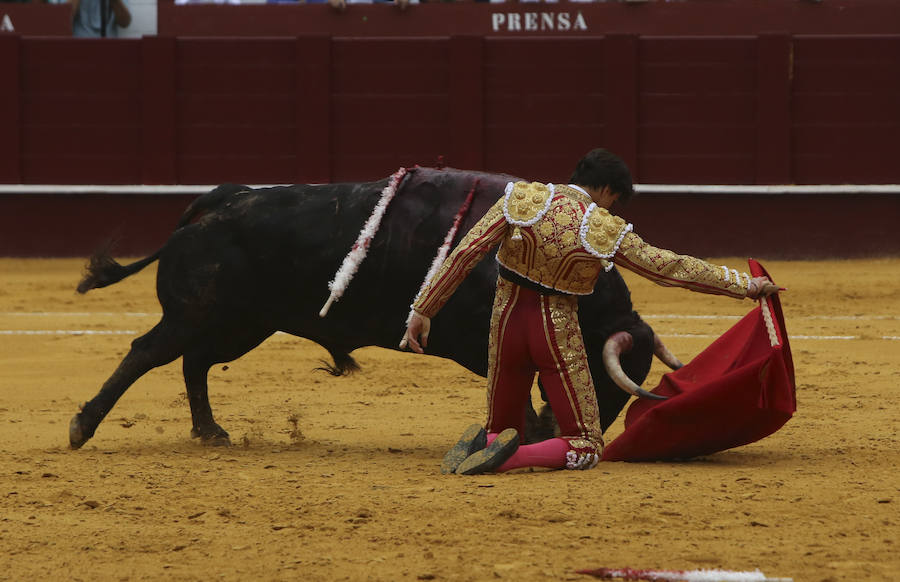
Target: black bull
{"points": [[245, 263]]}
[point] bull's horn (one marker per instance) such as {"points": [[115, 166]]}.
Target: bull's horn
{"points": [[664, 355], [617, 344]]}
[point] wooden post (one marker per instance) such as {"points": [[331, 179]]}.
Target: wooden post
{"points": [[158, 139], [773, 109], [466, 96], [10, 110], [622, 94], [313, 117]]}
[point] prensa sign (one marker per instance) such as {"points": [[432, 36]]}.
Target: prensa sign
{"points": [[538, 22]]}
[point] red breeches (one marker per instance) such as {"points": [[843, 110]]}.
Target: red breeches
{"points": [[533, 333]]}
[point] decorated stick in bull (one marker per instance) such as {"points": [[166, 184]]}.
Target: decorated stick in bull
{"points": [[681, 575], [358, 252], [444, 249]]}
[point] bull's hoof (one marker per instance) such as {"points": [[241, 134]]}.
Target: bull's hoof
{"points": [[220, 441], [212, 435], [539, 427], [78, 434]]}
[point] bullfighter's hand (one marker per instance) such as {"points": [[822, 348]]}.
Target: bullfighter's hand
{"points": [[762, 287], [419, 327]]}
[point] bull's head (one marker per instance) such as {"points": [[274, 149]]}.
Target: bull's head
{"points": [[620, 343]]}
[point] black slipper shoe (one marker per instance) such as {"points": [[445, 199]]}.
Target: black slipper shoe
{"points": [[489, 459], [473, 439]]}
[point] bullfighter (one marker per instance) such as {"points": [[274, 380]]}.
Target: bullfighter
{"points": [[554, 240]]}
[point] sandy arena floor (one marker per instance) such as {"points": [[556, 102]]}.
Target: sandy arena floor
{"points": [[337, 478]]}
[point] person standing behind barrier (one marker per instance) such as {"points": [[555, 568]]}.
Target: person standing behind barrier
{"points": [[554, 242], [99, 18], [341, 5]]}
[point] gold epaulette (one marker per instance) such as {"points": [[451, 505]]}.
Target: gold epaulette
{"points": [[525, 203], [602, 232]]}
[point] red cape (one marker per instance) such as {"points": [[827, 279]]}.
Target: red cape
{"points": [[737, 391]]}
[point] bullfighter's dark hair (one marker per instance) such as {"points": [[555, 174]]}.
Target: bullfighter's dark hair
{"points": [[599, 168]]}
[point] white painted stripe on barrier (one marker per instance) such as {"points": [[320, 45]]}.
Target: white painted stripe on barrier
{"points": [[642, 188], [33, 189], [770, 189]]}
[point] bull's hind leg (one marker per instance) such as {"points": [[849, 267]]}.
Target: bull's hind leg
{"points": [[223, 346], [157, 347], [204, 425]]}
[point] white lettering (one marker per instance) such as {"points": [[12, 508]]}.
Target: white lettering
{"points": [[6, 24], [547, 22], [497, 20], [531, 21], [580, 24]]}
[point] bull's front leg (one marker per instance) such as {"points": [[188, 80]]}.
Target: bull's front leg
{"points": [[539, 426]]}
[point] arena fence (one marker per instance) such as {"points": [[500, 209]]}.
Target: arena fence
{"points": [[771, 108]]}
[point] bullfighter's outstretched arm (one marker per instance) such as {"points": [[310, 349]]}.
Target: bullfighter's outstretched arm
{"points": [[485, 235], [673, 270]]}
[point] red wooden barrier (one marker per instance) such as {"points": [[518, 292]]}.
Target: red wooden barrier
{"points": [[73, 225], [465, 102], [653, 18], [773, 115], [80, 111], [159, 111], [846, 109], [689, 110], [10, 110], [313, 109], [36, 18]]}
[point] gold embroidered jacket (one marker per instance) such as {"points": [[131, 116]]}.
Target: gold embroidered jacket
{"points": [[557, 237]]}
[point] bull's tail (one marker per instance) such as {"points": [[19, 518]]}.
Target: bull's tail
{"points": [[103, 270]]}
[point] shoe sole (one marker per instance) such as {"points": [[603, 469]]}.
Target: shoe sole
{"points": [[473, 439], [490, 459]]}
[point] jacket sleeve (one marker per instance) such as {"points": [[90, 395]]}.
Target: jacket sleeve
{"points": [[485, 235], [673, 270]]}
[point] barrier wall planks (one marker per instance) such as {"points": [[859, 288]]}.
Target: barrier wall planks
{"points": [[544, 104], [519, 19], [846, 101], [698, 100], [727, 110], [80, 119]]}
